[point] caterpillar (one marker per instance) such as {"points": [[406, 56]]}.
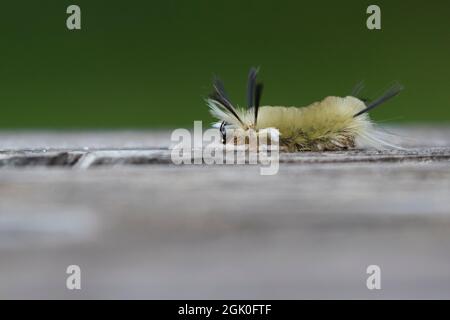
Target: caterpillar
{"points": [[335, 123]]}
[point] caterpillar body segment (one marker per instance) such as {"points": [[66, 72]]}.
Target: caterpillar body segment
{"points": [[334, 123]]}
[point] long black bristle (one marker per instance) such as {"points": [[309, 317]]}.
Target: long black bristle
{"points": [[390, 93], [258, 94], [218, 85], [357, 89], [220, 95], [251, 86]]}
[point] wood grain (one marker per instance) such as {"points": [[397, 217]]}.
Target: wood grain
{"points": [[141, 227]]}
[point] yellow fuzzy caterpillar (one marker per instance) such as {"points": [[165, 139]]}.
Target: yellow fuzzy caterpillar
{"points": [[335, 123]]}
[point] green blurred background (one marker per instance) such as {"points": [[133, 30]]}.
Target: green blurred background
{"points": [[150, 63]]}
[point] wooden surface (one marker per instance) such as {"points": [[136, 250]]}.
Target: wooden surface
{"points": [[141, 227]]}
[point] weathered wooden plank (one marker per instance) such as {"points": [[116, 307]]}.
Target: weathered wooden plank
{"points": [[92, 158], [166, 231]]}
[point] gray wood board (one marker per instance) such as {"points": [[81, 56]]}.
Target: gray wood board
{"points": [[158, 230]]}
